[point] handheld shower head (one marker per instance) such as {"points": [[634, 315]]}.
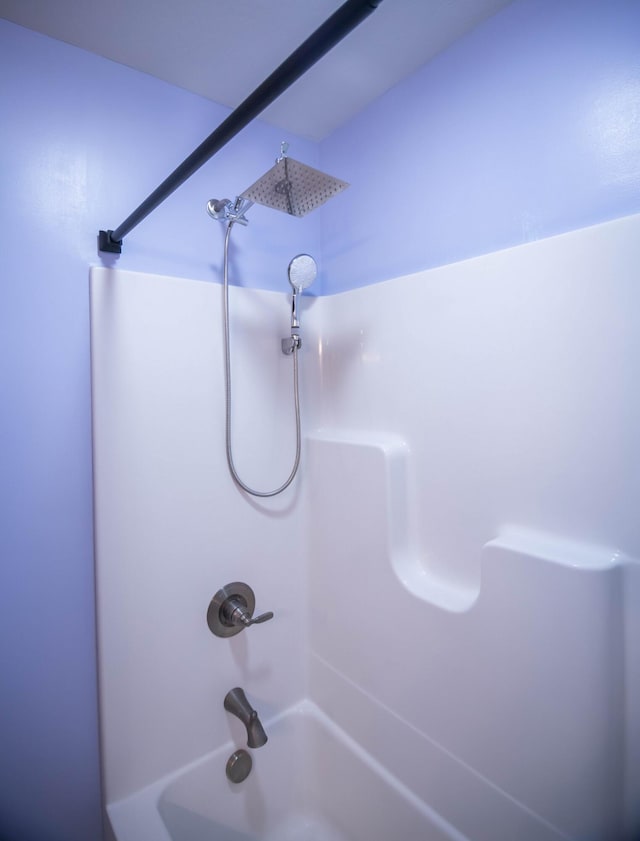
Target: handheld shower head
{"points": [[302, 272]]}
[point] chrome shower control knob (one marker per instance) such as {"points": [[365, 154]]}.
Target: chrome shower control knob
{"points": [[231, 610]]}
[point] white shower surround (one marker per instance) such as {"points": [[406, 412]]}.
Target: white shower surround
{"points": [[451, 573]]}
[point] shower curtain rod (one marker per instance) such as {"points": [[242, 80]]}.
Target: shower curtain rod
{"points": [[333, 30]]}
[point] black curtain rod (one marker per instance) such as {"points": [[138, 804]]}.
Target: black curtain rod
{"points": [[333, 30]]}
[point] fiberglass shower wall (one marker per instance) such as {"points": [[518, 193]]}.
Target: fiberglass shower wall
{"points": [[472, 485], [490, 400], [171, 526], [488, 677]]}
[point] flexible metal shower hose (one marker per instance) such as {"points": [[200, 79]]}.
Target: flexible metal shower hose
{"points": [[227, 378]]}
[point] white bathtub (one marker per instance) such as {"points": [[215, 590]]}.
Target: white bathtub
{"points": [[310, 782]]}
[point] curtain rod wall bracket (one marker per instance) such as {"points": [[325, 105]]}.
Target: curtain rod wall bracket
{"points": [[108, 244]]}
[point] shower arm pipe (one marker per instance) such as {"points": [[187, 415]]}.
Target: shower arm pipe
{"points": [[333, 30]]}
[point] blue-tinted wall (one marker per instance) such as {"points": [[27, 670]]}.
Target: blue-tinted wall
{"points": [[527, 127]]}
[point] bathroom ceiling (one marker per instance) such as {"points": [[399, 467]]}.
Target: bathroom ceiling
{"points": [[223, 49]]}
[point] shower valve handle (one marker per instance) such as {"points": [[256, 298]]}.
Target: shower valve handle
{"points": [[264, 617], [236, 612], [231, 610]]}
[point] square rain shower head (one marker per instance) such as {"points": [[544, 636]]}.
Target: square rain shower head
{"points": [[294, 188]]}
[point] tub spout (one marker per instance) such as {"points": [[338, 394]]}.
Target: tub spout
{"points": [[235, 702], [256, 737]]}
